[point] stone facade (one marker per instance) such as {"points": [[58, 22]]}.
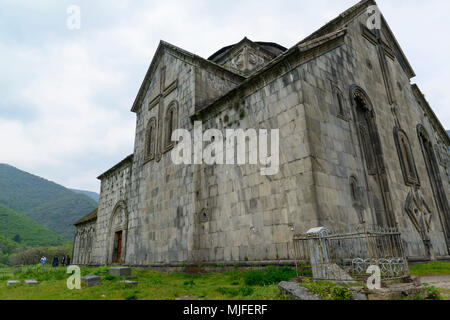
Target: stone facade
{"points": [[358, 144]]}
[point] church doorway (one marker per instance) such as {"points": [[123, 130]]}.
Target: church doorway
{"points": [[117, 234], [117, 247]]}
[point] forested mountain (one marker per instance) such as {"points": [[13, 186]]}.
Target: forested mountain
{"points": [[25, 231], [93, 195], [47, 203]]}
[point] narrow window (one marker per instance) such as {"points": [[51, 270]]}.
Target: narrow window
{"points": [[150, 140], [406, 158], [340, 104]]}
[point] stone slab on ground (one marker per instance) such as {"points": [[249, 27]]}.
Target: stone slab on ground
{"points": [[297, 292], [129, 283], [12, 283], [442, 281], [91, 280], [31, 282], [120, 271], [397, 291]]}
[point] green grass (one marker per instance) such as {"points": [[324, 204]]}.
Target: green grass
{"points": [[152, 285], [430, 269]]}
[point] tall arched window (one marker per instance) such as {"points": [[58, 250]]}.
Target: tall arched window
{"points": [[150, 140], [406, 157], [437, 186], [170, 124]]}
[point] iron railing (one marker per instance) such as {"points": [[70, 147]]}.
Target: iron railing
{"points": [[346, 255]]}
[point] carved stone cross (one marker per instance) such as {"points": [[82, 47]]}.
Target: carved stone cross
{"points": [[384, 50], [159, 100]]}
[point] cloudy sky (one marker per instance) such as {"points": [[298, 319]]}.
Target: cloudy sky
{"points": [[66, 95]]}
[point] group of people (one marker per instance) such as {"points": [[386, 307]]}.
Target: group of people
{"points": [[65, 261]]}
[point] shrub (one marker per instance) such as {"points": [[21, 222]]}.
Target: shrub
{"points": [[433, 294], [270, 275], [340, 293], [243, 291], [189, 283]]}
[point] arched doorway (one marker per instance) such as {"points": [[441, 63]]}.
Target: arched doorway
{"points": [[376, 179], [118, 227], [435, 180]]}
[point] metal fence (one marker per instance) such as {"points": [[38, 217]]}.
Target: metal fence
{"points": [[346, 255]]}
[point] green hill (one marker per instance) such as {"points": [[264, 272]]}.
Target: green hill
{"points": [[93, 195], [45, 202], [25, 231]]}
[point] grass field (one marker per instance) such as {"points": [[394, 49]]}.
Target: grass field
{"points": [[435, 268], [151, 285]]}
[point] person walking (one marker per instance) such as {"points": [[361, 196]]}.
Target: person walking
{"points": [[63, 260], [43, 260], [68, 261], [55, 262]]}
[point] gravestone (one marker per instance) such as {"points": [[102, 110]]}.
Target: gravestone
{"points": [[120, 271], [12, 283], [297, 292], [91, 280], [31, 282], [319, 253]]}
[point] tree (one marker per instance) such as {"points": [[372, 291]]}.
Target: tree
{"points": [[17, 238]]}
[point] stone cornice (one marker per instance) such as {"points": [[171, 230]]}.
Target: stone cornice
{"points": [[279, 66], [430, 114]]}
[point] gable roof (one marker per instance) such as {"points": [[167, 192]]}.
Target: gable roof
{"points": [[89, 217], [128, 159], [162, 47], [271, 48], [345, 17]]}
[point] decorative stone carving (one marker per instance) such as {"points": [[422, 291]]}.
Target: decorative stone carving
{"points": [[420, 215]]}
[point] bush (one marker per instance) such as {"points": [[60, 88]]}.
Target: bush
{"points": [[243, 291], [268, 276], [36, 272], [32, 256], [433, 294], [328, 290]]}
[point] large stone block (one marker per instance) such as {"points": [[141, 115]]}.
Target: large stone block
{"points": [[31, 282], [297, 292], [12, 283], [91, 280], [120, 271]]}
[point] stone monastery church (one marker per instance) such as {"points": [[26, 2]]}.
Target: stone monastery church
{"points": [[358, 144]]}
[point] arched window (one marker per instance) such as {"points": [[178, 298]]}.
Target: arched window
{"points": [[434, 174], [150, 140], [170, 124], [406, 158]]}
